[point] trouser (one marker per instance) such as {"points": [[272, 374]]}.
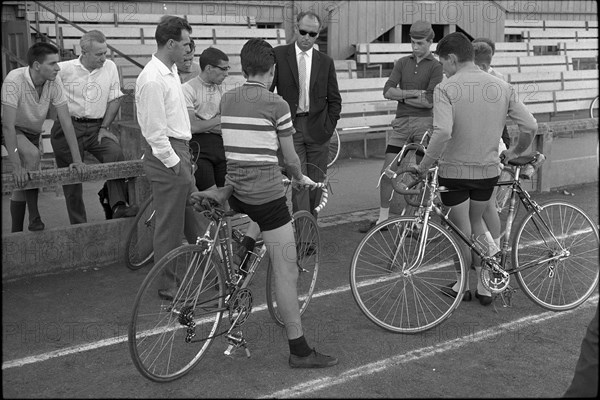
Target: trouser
{"points": [[105, 151], [170, 192], [313, 161]]}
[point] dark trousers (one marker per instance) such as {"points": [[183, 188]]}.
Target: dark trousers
{"points": [[585, 380], [313, 160], [174, 218], [105, 151]]}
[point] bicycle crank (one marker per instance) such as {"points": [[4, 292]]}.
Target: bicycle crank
{"points": [[241, 307], [495, 282]]}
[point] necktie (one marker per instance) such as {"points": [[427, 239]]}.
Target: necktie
{"points": [[302, 101]]}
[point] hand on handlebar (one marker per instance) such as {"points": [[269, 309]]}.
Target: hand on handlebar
{"points": [[304, 183]]}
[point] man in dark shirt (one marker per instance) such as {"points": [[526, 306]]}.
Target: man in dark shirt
{"points": [[411, 83]]}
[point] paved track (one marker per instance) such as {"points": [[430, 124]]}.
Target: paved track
{"points": [[64, 335]]}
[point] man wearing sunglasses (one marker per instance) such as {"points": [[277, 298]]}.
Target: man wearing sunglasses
{"points": [[306, 79]]}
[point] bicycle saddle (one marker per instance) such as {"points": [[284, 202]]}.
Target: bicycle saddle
{"points": [[522, 160]]}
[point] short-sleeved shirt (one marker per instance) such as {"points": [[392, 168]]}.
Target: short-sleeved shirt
{"points": [[18, 91], [203, 97], [252, 121], [90, 92], [410, 75]]}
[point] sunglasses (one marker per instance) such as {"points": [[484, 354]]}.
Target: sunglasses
{"points": [[227, 68], [311, 34]]}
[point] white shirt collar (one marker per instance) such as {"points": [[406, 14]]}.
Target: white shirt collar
{"points": [[162, 68]]}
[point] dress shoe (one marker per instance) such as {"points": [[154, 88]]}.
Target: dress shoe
{"points": [[368, 226], [313, 360], [483, 299], [123, 211], [448, 291], [36, 224]]}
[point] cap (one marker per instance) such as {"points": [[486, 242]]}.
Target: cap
{"points": [[420, 30]]}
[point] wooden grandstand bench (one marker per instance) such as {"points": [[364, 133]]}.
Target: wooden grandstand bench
{"points": [[366, 114], [68, 36]]}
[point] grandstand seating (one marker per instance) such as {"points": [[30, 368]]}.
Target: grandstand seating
{"points": [[540, 32]]}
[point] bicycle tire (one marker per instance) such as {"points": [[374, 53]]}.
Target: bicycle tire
{"points": [[139, 248], [594, 108], [400, 300], [334, 148], [564, 283], [157, 335], [308, 250]]}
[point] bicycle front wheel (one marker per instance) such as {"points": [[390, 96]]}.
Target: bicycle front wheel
{"points": [[308, 250], [139, 248], [556, 255], [334, 148], [396, 288], [168, 337]]}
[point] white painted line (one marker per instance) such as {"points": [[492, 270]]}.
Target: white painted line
{"points": [[312, 386], [120, 339]]}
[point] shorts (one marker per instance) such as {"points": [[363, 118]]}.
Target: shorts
{"points": [[34, 138], [211, 161], [268, 216], [408, 130], [464, 189]]}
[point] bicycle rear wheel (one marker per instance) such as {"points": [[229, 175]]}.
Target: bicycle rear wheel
{"points": [[308, 249], [139, 248], [159, 332], [556, 253], [393, 288]]}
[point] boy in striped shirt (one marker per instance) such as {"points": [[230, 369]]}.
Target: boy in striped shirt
{"points": [[256, 125]]}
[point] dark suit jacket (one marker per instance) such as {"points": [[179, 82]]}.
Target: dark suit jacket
{"points": [[324, 96]]}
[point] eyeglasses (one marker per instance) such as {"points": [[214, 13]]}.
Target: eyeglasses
{"points": [[302, 32], [225, 69]]}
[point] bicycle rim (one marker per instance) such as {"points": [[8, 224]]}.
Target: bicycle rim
{"points": [[308, 250], [558, 274], [140, 249], [395, 296], [334, 148], [159, 328]]}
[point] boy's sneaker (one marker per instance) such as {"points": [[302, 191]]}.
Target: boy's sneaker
{"points": [[313, 360]]}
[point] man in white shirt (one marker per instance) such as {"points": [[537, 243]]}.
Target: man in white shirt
{"points": [[94, 94], [27, 93], [163, 118]]}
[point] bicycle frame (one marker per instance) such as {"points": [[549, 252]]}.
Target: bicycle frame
{"points": [[497, 262]]}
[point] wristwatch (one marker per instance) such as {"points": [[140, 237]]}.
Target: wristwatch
{"points": [[105, 127]]}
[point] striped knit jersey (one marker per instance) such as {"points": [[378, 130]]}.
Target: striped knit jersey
{"points": [[252, 120]]}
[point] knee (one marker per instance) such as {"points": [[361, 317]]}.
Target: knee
{"points": [[113, 153], [30, 159]]}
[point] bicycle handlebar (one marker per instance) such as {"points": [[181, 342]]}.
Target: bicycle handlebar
{"points": [[402, 187], [320, 185]]}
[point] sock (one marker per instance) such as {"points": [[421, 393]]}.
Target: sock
{"points": [[480, 288], [384, 214], [299, 347], [31, 197], [17, 212]]}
